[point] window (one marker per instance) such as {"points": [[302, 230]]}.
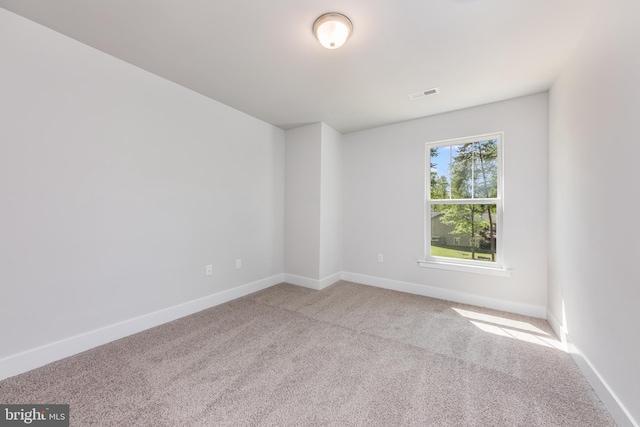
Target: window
{"points": [[463, 202]]}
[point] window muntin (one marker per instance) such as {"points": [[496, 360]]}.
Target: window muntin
{"points": [[464, 201]]}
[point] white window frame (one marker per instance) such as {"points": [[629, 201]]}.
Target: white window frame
{"points": [[473, 266]]}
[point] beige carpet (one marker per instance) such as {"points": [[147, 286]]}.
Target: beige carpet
{"points": [[350, 355]]}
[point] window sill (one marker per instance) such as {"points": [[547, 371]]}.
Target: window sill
{"points": [[491, 271]]}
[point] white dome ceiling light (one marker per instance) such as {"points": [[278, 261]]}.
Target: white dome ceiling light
{"points": [[332, 30]]}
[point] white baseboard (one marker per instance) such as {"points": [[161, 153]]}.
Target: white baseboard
{"points": [[330, 280], [305, 282], [449, 295], [40, 356], [616, 408], [557, 327], [314, 284]]}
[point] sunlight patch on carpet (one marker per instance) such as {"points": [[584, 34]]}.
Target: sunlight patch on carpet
{"points": [[510, 328]]}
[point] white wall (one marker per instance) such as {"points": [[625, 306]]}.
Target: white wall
{"points": [[302, 213], [383, 202], [593, 221], [313, 231], [117, 188], [331, 203]]}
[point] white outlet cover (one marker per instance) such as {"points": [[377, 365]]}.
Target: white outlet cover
{"points": [[209, 270]]}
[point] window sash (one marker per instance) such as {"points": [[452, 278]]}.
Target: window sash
{"points": [[496, 263]]}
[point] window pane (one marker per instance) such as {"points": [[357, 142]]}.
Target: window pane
{"points": [[466, 231], [485, 169], [440, 163], [464, 171]]}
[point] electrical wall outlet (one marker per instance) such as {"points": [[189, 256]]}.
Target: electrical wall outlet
{"points": [[238, 264], [209, 270], [380, 258]]}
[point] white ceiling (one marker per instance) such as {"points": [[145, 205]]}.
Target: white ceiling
{"points": [[261, 57]]}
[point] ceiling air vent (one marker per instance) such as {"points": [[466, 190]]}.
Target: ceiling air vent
{"points": [[423, 93]]}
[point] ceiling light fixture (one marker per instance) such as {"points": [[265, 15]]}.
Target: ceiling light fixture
{"points": [[332, 30]]}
